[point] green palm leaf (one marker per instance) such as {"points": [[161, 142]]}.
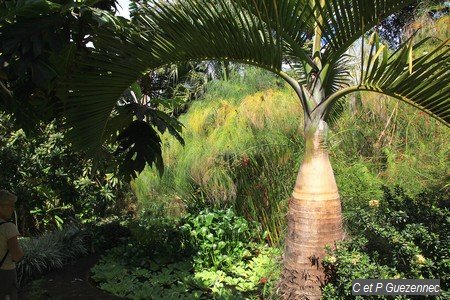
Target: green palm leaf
{"points": [[188, 30], [206, 30], [345, 21], [423, 82], [256, 32], [98, 79]]}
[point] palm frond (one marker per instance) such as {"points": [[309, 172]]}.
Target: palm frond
{"points": [[423, 82], [256, 32], [243, 31], [336, 74], [292, 20], [204, 30], [336, 111], [345, 21], [98, 79]]}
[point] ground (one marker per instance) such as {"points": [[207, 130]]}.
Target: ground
{"points": [[70, 282]]}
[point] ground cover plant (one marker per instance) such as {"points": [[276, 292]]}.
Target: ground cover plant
{"points": [[210, 255]]}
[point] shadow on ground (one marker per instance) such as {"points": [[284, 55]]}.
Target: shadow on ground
{"points": [[70, 282]]}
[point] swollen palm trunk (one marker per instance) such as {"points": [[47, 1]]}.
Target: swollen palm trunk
{"points": [[314, 220]]}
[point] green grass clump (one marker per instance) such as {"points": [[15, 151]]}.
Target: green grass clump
{"points": [[50, 251], [387, 142], [244, 130]]}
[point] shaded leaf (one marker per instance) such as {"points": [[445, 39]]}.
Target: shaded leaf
{"points": [[139, 144]]}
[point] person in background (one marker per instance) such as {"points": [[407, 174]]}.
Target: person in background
{"points": [[10, 251]]}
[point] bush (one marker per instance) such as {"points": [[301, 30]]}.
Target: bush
{"points": [[52, 182], [220, 238], [107, 234], [160, 237], [396, 237], [357, 184]]}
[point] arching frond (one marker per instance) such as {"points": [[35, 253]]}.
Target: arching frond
{"points": [[423, 82], [98, 79], [205, 30], [245, 31], [292, 20], [256, 32], [345, 21]]}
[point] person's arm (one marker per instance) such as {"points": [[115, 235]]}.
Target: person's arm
{"points": [[14, 249]]}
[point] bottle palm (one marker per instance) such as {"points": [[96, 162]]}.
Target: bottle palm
{"points": [[265, 33]]}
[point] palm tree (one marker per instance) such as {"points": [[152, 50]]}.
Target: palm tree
{"points": [[314, 36]]}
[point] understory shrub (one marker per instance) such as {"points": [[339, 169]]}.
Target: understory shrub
{"points": [[220, 238], [160, 236], [54, 184], [395, 237], [107, 233], [215, 259]]}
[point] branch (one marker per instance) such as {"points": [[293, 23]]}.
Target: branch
{"points": [[6, 91], [298, 90]]}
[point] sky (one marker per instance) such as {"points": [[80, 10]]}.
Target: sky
{"points": [[122, 8]]}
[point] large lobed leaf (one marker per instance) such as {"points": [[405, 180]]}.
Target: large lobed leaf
{"points": [[140, 144]]}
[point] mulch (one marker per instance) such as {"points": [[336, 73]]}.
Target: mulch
{"points": [[70, 282]]}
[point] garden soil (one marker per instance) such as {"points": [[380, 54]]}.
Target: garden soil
{"points": [[70, 282]]}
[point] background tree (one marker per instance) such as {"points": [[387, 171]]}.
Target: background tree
{"points": [[55, 185], [39, 42], [264, 33], [392, 28]]}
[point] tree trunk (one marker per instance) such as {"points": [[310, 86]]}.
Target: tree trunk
{"points": [[314, 220]]}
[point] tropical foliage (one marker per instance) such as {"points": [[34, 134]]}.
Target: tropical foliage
{"points": [[395, 237], [313, 37], [36, 60], [54, 184], [285, 29], [213, 260], [38, 42], [265, 33]]}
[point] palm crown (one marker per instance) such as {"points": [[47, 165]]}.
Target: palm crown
{"points": [[261, 33]]}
